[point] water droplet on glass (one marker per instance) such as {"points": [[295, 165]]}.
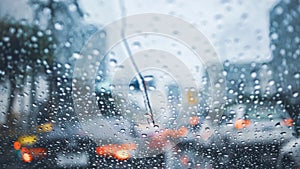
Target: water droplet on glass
{"points": [[297, 75], [131, 87], [67, 44], [152, 88], [136, 45], [68, 66], [72, 7], [295, 94], [34, 39], [279, 10], [102, 34], [253, 74], [76, 56], [58, 26], [113, 62], [6, 39]]}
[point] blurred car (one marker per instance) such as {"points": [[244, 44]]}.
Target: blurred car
{"points": [[59, 147], [290, 155], [250, 134], [257, 129]]}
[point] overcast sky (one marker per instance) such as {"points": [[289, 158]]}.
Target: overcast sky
{"points": [[237, 29]]}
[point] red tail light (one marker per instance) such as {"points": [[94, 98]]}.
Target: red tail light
{"points": [[27, 157], [120, 152], [28, 154], [288, 122], [242, 123], [122, 155]]}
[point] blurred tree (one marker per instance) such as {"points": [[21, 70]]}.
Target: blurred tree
{"points": [[26, 50], [65, 20]]}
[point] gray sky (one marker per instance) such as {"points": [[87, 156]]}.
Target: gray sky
{"points": [[237, 29]]}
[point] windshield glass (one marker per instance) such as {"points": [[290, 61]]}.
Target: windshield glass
{"points": [[143, 84]]}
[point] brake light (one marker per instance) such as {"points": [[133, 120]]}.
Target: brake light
{"points": [[241, 123], [29, 153], [122, 155], [288, 122], [27, 157], [120, 152]]}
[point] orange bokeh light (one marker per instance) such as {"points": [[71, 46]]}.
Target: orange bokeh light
{"points": [[27, 157], [241, 123]]}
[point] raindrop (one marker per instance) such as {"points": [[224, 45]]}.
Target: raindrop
{"points": [[12, 30], [279, 10], [297, 75], [290, 28], [77, 56], [295, 94], [48, 71], [283, 133], [229, 124], [58, 26], [67, 66], [72, 7], [40, 34], [67, 44], [96, 52], [113, 62], [136, 45], [102, 35], [253, 74], [271, 82], [144, 135], [152, 88], [274, 36], [46, 50], [131, 87], [6, 39], [34, 39]]}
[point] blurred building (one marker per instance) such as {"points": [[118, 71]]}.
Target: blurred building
{"points": [[285, 46]]}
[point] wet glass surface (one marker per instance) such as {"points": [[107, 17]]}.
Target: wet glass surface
{"points": [[143, 84]]}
